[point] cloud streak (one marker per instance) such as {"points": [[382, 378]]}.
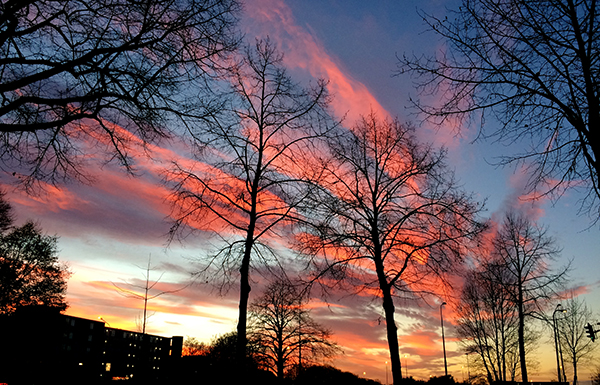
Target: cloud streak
{"points": [[305, 53]]}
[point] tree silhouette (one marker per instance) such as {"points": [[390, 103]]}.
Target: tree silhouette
{"points": [[251, 179], [287, 335], [193, 347], [145, 293], [524, 251], [532, 65], [487, 319], [389, 218], [571, 328], [78, 75], [30, 273]]}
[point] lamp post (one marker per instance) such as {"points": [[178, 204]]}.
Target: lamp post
{"points": [[556, 340], [443, 340], [562, 363], [386, 371], [468, 370], [103, 320], [406, 364]]}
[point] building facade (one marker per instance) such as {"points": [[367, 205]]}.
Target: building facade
{"points": [[41, 344]]}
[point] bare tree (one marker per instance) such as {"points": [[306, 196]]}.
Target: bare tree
{"points": [[525, 252], [75, 75], [145, 293], [249, 183], [571, 331], [488, 320], [532, 65], [389, 216], [282, 326]]}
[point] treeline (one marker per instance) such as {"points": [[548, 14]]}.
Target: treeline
{"points": [[214, 362]]}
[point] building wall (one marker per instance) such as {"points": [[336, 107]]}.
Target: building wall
{"points": [[42, 344]]}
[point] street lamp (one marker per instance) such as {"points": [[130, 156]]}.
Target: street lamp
{"points": [[557, 340], [406, 364], [443, 340], [468, 370], [103, 320], [386, 373]]}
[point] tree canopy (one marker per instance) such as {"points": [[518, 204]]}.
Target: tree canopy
{"points": [[531, 65], [389, 217], [30, 272], [78, 76]]}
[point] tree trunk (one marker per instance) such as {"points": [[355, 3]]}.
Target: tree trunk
{"points": [[280, 353], [574, 372], [392, 337], [242, 317], [245, 267], [389, 309], [524, 378]]}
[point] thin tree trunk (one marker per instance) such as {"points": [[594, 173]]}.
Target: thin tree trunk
{"points": [[574, 372], [280, 356], [524, 377], [245, 267]]}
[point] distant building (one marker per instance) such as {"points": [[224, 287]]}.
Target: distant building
{"points": [[41, 344]]}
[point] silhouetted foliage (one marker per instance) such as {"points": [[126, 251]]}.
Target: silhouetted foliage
{"points": [[389, 217], [531, 65], [441, 380], [217, 362], [282, 328], [30, 272], [249, 180], [80, 74], [193, 347], [328, 375]]}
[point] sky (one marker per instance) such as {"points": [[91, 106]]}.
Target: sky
{"points": [[111, 228]]}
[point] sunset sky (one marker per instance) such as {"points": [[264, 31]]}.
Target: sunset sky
{"points": [[110, 228]]}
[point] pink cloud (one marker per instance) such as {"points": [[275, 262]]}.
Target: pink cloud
{"points": [[303, 51]]}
